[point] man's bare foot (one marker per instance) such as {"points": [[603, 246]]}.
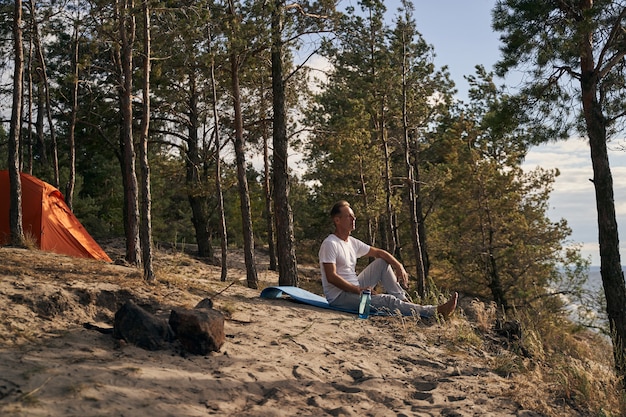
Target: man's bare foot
{"points": [[449, 306]]}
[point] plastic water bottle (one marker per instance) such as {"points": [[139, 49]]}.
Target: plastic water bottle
{"points": [[364, 305]]}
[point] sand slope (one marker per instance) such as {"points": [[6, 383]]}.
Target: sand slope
{"points": [[280, 358]]}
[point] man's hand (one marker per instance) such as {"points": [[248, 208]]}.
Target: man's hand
{"points": [[368, 288], [398, 269], [402, 276]]}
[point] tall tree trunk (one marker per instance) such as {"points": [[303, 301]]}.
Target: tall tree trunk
{"points": [[416, 241], [287, 265], [145, 231], [218, 171], [43, 74], [608, 237], [28, 165], [197, 176], [267, 188], [610, 260], [15, 211], [240, 156], [41, 110], [71, 182], [392, 244], [220, 204], [371, 239], [411, 183], [492, 271], [131, 193], [244, 194], [269, 212], [419, 211]]}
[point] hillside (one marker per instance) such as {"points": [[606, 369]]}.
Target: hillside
{"points": [[280, 358]]}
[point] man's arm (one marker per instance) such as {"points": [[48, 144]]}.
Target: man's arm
{"points": [[337, 280], [401, 275]]}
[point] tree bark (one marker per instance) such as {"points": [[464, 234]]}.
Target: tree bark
{"points": [[267, 188], [145, 231], [287, 266], [27, 166], [412, 183], [269, 212], [608, 237], [416, 241], [419, 212], [71, 182], [43, 74], [126, 23], [15, 211], [218, 172], [244, 194], [41, 139], [371, 236], [197, 177], [390, 235]]}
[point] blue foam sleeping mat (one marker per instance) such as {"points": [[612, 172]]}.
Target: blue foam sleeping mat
{"points": [[306, 297]]}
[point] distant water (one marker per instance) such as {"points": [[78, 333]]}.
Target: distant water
{"points": [[594, 284], [595, 279]]}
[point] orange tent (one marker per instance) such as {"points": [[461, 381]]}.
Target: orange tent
{"points": [[46, 217]]}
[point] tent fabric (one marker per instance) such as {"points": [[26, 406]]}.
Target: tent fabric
{"points": [[47, 218]]}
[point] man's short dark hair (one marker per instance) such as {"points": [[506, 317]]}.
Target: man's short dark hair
{"points": [[336, 210]]}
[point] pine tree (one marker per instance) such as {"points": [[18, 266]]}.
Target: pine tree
{"points": [[575, 51]]}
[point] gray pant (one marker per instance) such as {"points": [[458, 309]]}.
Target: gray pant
{"points": [[394, 302]]}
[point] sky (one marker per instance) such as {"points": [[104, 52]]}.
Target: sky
{"points": [[460, 32]]}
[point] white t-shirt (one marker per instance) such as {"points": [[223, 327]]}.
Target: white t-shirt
{"points": [[344, 255]]}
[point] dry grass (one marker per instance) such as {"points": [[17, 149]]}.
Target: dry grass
{"points": [[557, 367], [580, 367]]}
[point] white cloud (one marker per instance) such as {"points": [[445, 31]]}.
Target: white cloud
{"points": [[573, 197]]}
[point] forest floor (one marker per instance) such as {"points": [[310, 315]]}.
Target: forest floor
{"points": [[280, 358]]}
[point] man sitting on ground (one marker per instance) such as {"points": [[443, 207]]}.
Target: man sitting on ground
{"points": [[338, 256]]}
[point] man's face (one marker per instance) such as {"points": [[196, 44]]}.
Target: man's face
{"points": [[346, 220]]}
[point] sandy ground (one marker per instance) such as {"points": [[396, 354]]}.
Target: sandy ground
{"points": [[280, 358]]}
